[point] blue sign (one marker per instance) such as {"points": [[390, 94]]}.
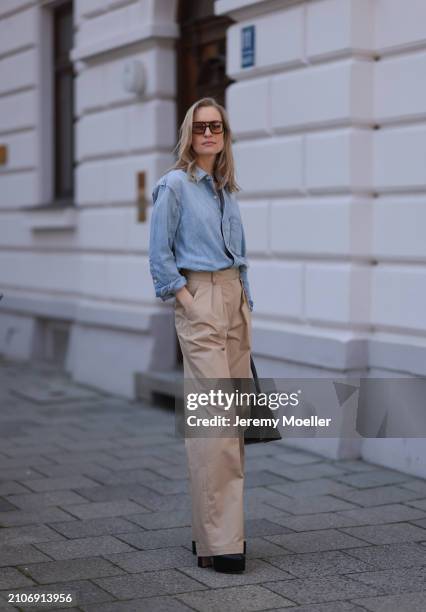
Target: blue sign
{"points": [[247, 46]]}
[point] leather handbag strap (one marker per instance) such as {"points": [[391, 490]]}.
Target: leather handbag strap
{"points": [[255, 376]]}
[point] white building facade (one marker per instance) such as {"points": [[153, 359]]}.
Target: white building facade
{"points": [[329, 120]]}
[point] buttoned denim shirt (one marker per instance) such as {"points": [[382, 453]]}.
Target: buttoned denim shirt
{"points": [[188, 231]]}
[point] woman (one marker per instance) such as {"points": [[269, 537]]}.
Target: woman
{"points": [[197, 254]]}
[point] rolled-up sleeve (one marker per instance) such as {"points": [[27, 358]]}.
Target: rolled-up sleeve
{"points": [[164, 222]]}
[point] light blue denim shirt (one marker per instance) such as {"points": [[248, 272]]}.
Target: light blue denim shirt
{"points": [[188, 231]]}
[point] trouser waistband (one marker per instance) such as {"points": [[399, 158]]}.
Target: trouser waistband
{"points": [[216, 276]]}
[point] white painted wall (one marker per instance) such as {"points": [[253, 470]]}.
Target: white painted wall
{"points": [[91, 262], [332, 117]]}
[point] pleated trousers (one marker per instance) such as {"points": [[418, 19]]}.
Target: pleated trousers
{"points": [[214, 333]]}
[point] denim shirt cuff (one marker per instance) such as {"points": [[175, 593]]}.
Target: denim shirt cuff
{"points": [[169, 291], [243, 276]]}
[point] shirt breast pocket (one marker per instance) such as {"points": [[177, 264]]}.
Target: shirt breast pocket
{"points": [[236, 235]]}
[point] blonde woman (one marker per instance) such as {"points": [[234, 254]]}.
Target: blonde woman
{"points": [[197, 255]]}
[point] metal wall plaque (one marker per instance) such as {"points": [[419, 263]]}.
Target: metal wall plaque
{"points": [[247, 46], [141, 197], [3, 155]]}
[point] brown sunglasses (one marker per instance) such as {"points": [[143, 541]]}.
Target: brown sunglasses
{"points": [[199, 127]]}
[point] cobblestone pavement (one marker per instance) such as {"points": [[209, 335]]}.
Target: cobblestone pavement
{"points": [[94, 502]]}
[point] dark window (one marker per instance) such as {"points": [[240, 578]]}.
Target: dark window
{"points": [[63, 91]]}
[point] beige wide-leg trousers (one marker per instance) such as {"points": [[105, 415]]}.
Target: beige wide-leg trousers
{"points": [[214, 333]]}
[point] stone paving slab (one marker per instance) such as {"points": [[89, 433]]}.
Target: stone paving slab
{"points": [[69, 470], [377, 496], [319, 589], [310, 471], [332, 606], [103, 509], [41, 516], [24, 461], [83, 547], [314, 522], [391, 513], [28, 534], [249, 598], [148, 584], [259, 548], [315, 541], [11, 578], [4, 606], [389, 556], [408, 602], [151, 560], [150, 604], [333, 562], [19, 473], [295, 457], [6, 505], [418, 486], [93, 527], [25, 553], [58, 484], [261, 527], [309, 488], [161, 519], [137, 476], [161, 538], [388, 534], [75, 569], [257, 572], [373, 478], [394, 580], [100, 507], [34, 501], [6, 488], [108, 493], [312, 505], [169, 487], [419, 503], [167, 503]]}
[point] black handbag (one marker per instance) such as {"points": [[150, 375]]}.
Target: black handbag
{"points": [[260, 433]]}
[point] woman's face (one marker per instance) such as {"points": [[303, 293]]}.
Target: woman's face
{"points": [[207, 144]]}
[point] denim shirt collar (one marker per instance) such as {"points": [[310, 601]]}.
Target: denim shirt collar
{"points": [[200, 174]]}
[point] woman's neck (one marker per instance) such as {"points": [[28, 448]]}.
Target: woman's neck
{"points": [[206, 165]]}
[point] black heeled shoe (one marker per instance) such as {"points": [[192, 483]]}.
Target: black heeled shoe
{"points": [[227, 564], [194, 547]]}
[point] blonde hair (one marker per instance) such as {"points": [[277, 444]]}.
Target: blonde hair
{"points": [[223, 169]]}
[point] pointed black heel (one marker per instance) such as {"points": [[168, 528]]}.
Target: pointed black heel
{"points": [[194, 547]]}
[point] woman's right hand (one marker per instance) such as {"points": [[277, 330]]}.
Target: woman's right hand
{"points": [[184, 297]]}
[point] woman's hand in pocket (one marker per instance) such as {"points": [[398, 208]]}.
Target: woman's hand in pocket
{"points": [[184, 297]]}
